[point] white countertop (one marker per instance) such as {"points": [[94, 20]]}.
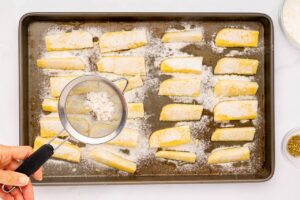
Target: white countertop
{"points": [[286, 180]]}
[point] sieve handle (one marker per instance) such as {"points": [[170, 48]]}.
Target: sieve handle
{"points": [[39, 157], [33, 163], [122, 78], [36, 160]]}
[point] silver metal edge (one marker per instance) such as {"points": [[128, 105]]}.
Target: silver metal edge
{"points": [[69, 128]]}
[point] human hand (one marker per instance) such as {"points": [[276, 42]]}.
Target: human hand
{"points": [[10, 158]]}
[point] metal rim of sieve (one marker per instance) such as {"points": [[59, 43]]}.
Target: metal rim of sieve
{"points": [[63, 116]]}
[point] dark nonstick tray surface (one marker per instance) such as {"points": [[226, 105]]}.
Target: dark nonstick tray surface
{"points": [[33, 26]]}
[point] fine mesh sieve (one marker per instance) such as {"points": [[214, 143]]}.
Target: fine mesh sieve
{"points": [[92, 109], [102, 108]]}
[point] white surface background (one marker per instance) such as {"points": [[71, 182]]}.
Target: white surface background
{"points": [[286, 181]]}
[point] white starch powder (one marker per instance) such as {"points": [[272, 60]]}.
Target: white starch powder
{"points": [[101, 105], [291, 19]]}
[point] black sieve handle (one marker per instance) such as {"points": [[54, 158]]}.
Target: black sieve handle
{"points": [[36, 160]]}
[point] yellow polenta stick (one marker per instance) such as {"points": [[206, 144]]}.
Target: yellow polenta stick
{"points": [[74, 105], [112, 160], [123, 65], [51, 126], [69, 41], [180, 87], [232, 37], [50, 105], [226, 155], [181, 112], [235, 110], [127, 138], [100, 129], [183, 36], [57, 84], [68, 63], [67, 151], [170, 137], [236, 66], [133, 82], [135, 110], [121, 40], [191, 65], [233, 134], [231, 88], [177, 155]]}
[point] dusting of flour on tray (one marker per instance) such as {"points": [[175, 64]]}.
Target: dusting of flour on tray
{"points": [[215, 48], [154, 53]]}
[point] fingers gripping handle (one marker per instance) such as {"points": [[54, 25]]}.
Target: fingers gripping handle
{"points": [[36, 160], [33, 162]]}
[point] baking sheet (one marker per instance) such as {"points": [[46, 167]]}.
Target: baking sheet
{"points": [[32, 30]]}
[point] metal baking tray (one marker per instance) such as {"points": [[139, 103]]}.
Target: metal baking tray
{"points": [[32, 26]]}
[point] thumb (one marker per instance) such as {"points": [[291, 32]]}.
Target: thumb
{"points": [[13, 178]]}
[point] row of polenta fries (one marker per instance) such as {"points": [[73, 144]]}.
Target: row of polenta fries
{"points": [[134, 67], [235, 109], [131, 67], [190, 87], [223, 111]]}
